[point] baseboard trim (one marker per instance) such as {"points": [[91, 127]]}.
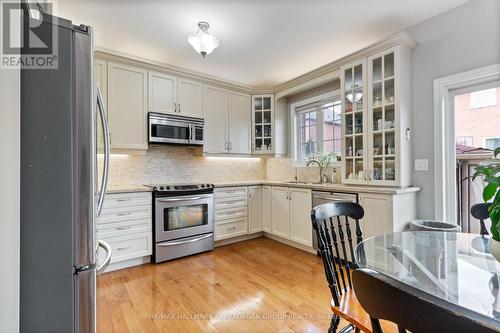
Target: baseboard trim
{"points": [[291, 243], [237, 239], [127, 263]]}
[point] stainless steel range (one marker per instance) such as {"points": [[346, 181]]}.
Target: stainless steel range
{"points": [[183, 220]]}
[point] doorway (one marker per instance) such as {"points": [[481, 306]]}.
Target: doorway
{"points": [[472, 91], [477, 134]]}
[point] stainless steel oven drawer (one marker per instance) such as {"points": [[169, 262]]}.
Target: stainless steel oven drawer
{"points": [[183, 247]]}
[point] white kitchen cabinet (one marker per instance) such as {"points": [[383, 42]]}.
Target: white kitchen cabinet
{"points": [[227, 121], [254, 209], [267, 208], [262, 124], [230, 212], [189, 97], [280, 224], [215, 111], [300, 216], [127, 106], [386, 213], [162, 92], [239, 123], [125, 224], [101, 80], [375, 94]]}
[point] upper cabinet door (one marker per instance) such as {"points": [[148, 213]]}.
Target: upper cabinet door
{"points": [[354, 123], [190, 98], [127, 89], [215, 110], [101, 80], [162, 96], [239, 123]]}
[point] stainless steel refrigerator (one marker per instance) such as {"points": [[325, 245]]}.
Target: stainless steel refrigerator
{"points": [[60, 198]]}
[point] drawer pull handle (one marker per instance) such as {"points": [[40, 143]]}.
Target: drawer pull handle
{"points": [[123, 248], [230, 192], [230, 213], [124, 228], [123, 214], [128, 199], [232, 228]]}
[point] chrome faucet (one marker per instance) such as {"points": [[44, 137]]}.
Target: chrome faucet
{"points": [[316, 161]]}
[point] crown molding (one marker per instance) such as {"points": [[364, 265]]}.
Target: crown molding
{"points": [[310, 79]]}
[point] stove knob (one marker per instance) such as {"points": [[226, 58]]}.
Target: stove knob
{"points": [[202, 185], [155, 188], [168, 187], [209, 185], [161, 188]]}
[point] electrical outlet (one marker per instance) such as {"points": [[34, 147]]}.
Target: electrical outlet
{"points": [[421, 164]]}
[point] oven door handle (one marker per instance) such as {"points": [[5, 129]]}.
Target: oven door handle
{"points": [[178, 199], [191, 240]]}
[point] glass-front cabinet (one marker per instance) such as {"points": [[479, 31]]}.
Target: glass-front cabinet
{"points": [[376, 113], [262, 124], [354, 128]]}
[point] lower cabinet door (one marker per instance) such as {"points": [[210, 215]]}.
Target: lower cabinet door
{"points": [[254, 209], [300, 216], [266, 208], [280, 212], [230, 228], [129, 247]]}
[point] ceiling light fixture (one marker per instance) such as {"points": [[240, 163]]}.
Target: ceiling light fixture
{"points": [[203, 42]]}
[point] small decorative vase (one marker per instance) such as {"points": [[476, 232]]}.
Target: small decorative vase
{"points": [[495, 249]]}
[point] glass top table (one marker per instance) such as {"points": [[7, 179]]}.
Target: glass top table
{"points": [[455, 267]]}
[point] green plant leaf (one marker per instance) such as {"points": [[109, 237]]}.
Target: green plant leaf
{"points": [[489, 191], [497, 151]]}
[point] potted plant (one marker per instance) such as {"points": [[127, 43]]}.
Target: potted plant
{"points": [[490, 172]]}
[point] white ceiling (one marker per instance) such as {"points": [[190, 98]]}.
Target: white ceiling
{"points": [[263, 43]]}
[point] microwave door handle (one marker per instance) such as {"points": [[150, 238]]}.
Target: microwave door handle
{"points": [[105, 173]]}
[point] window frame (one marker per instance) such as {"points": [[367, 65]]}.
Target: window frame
{"points": [[296, 126]]}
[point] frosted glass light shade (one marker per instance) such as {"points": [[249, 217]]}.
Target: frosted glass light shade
{"points": [[203, 42]]}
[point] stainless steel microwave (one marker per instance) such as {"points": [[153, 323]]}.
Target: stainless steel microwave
{"points": [[169, 128]]}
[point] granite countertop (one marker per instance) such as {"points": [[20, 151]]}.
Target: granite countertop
{"points": [[326, 187], [319, 187], [127, 189]]}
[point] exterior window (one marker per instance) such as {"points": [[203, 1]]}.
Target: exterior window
{"points": [[464, 140], [492, 143], [483, 98], [318, 129]]}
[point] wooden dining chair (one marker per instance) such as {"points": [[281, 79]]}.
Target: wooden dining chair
{"points": [[480, 211], [332, 223], [413, 310]]}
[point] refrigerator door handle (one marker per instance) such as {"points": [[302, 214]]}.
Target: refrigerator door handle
{"points": [[100, 268], [105, 129]]}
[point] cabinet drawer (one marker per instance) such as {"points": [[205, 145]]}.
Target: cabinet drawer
{"points": [[225, 192], [230, 213], [127, 200], [230, 202], [123, 228], [236, 227], [129, 247], [125, 214]]}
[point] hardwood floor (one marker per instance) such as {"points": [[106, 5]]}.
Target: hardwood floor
{"points": [[258, 285]]}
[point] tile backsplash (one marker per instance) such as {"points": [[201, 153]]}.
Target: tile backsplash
{"points": [[181, 164]]}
